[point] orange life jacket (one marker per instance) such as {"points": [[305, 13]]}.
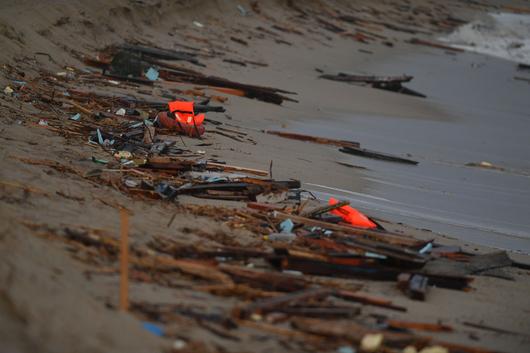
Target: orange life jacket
{"points": [[352, 216]]}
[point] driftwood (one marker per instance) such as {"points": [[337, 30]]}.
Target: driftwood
{"points": [[367, 78], [266, 94], [376, 155], [163, 54], [272, 304], [387, 83], [428, 43], [314, 139]]}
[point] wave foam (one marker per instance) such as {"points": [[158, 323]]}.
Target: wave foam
{"points": [[502, 35]]}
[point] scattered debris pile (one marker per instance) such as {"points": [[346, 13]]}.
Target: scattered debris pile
{"points": [[297, 287], [141, 64]]}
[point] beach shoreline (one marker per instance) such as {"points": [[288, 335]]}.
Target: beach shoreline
{"points": [[51, 301]]}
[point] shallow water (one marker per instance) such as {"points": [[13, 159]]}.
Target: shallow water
{"points": [[486, 119]]}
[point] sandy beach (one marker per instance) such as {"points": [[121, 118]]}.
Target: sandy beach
{"points": [[470, 189]]}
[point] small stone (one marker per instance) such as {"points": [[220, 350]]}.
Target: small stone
{"points": [[435, 349], [256, 317], [371, 342], [179, 344]]}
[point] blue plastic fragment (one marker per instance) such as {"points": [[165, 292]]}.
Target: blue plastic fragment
{"points": [[286, 226], [153, 328], [76, 117], [345, 349], [19, 83], [152, 74]]}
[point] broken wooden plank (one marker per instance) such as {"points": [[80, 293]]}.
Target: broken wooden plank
{"points": [[368, 300], [163, 54], [476, 264], [271, 281], [323, 209], [363, 152], [234, 168], [314, 139], [344, 312], [370, 79], [267, 305], [266, 94], [432, 44], [421, 326]]}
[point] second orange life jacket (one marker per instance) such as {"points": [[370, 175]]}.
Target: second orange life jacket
{"points": [[352, 216]]}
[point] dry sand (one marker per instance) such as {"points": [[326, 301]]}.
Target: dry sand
{"points": [[47, 301]]}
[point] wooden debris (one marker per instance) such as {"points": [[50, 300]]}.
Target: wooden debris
{"points": [[314, 139], [388, 83], [272, 304], [363, 152], [432, 44], [415, 286], [124, 260]]}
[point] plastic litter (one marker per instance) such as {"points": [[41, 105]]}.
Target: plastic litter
{"points": [[8, 91], [120, 111], [287, 237], [426, 249], [242, 10], [153, 328], [99, 161], [346, 349], [76, 117], [123, 155], [152, 74], [286, 226]]}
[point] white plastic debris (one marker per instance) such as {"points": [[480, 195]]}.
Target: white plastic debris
{"points": [[76, 117], [43, 122], [198, 24], [242, 10], [8, 91], [131, 183], [120, 111]]}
